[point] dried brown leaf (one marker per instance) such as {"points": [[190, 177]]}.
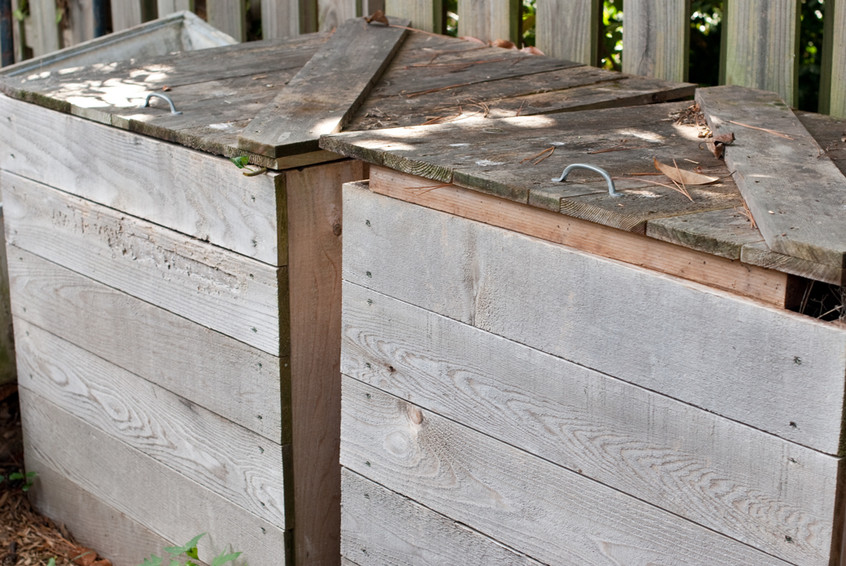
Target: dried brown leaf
{"points": [[727, 138], [531, 50], [472, 39], [503, 43], [377, 17], [682, 175], [718, 149]]}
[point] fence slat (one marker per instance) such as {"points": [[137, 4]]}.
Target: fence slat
{"points": [[655, 38], [835, 81], [80, 22], [125, 14], [424, 14], [280, 18], [229, 16], [166, 7], [489, 19], [762, 38], [568, 29], [46, 33], [332, 13]]}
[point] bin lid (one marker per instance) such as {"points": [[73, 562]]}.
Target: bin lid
{"points": [[270, 100], [774, 197]]}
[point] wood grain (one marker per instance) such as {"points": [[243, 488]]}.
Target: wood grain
{"points": [[245, 469], [618, 319], [8, 372], [761, 46], [764, 285], [837, 70], [489, 20], [324, 94], [46, 39], [381, 527], [333, 13], [579, 18], [160, 499], [426, 15], [794, 191], [528, 504], [314, 228], [651, 447], [165, 7], [92, 522], [279, 19], [232, 294], [164, 183], [126, 14], [226, 376], [229, 16], [656, 36]]}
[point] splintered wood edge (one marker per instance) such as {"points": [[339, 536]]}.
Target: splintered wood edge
{"points": [[261, 135]]}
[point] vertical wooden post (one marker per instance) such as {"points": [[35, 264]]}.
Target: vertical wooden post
{"points": [[43, 15], [332, 13], [229, 16], [280, 18], [833, 80], [126, 13], [655, 38], [762, 39], [489, 19], [166, 7], [424, 14], [568, 29]]}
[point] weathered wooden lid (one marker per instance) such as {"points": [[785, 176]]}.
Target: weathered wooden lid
{"points": [[775, 167], [271, 100]]}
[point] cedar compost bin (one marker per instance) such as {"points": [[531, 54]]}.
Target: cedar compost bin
{"points": [[539, 372], [178, 318]]}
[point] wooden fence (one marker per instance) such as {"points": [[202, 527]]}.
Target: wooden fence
{"points": [[760, 37]]}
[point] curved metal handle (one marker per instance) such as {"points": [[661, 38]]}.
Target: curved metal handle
{"points": [[164, 97], [611, 190]]}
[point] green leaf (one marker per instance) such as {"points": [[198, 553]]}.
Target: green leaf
{"points": [[192, 553], [14, 476], [152, 561], [223, 558], [191, 544], [51, 562], [59, 15], [19, 15], [174, 562], [240, 161]]}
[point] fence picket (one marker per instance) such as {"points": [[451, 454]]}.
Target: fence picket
{"points": [[45, 37], [280, 18], [568, 29], [424, 14], [762, 39], [166, 7], [125, 14], [833, 87], [332, 13], [655, 38], [489, 19], [229, 16]]}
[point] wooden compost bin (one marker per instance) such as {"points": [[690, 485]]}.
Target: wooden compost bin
{"points": [[537, 372], [178, 322]]}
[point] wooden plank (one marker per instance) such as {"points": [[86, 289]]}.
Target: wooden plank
{"points": [[323, 96], [126, 14], [240, 466], [8, 372], [382, 527], [279, 19], [167, 503], [165, 7], [229, 16], [314, 227], [649, 446], [333, 13], [794, 191], [835, 73], [761, 46], [489, 20], [526, 503], [581, 20], [225, 376], [764, 285], [236, 296], [581, 307], [426, 15], [46, 37], [173, 186], [717, 232], [93, 523], [656, 37], [80, 15]]}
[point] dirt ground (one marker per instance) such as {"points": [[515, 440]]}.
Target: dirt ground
{"points": [[27, 538]]}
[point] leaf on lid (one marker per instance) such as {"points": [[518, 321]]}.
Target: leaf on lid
{"points": [[682, 175]]}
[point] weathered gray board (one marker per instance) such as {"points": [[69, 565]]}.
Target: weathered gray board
{"points": [[482, 364]]}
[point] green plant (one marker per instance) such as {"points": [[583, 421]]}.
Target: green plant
{"points": [[27, 478], [186, 555]]}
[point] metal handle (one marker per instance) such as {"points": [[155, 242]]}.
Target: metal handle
{"points": [[611, 190], [164, 97]]}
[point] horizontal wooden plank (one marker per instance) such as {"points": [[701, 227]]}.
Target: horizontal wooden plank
{"points": [[167, 503], [235, 295], [634, 324], [244, 468], [92, 522], [794, 191], [194, 193], [749, 485], [216, 372], [533, 506], [381, 527], [765, 285], [322, 97]]}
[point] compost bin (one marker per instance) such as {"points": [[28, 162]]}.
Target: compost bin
{"points": [[178, 317], [539, 371]]}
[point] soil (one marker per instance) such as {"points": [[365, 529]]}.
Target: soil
{"points": [[26, 537]]}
